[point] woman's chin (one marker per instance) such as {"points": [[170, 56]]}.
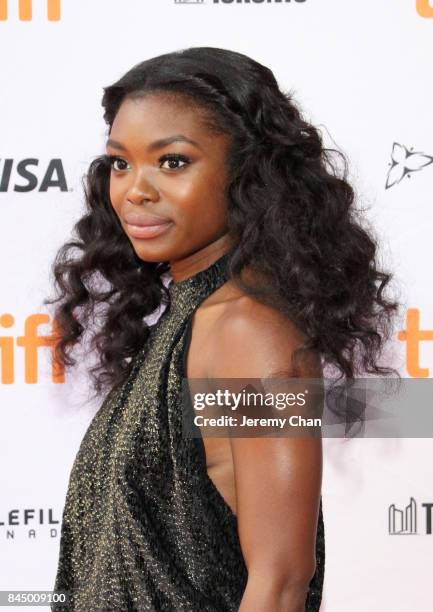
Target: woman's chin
{"points": [[152, 253]]}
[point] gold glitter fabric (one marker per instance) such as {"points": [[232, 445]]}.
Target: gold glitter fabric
{"points": [[144, 528]]}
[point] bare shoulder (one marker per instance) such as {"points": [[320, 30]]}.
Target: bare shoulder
{"points": [[252, 339]]}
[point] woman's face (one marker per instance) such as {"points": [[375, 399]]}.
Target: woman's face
{"points": [[168, 178]]}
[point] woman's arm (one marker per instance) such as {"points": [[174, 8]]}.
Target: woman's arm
{"points": [[277, 490], [278, 480]]}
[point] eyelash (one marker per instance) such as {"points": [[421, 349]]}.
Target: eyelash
{"points": [[168, 157]]}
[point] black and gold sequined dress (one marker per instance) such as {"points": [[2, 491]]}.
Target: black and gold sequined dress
{"points": [[144, 528]]}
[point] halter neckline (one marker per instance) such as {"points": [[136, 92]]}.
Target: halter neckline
{"points": [[203, 282]]}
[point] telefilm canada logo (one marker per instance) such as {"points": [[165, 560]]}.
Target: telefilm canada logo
{"points": [[24, 9], [404, 521], [30, 522], [31, 174]]}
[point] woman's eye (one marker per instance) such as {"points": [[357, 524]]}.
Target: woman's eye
{"points": [[174, 162], [118, 164]]}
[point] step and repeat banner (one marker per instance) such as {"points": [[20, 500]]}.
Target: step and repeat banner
{"points": [[361, 72]]}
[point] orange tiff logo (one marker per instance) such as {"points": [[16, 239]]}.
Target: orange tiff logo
{"points": [[25, 10], [424, 8], [30, 341], [413, 336]]}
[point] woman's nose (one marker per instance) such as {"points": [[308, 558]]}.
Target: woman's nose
{"points": [[142, 190]]}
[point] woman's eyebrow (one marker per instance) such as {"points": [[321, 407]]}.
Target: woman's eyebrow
{"points": [[157, 144]]}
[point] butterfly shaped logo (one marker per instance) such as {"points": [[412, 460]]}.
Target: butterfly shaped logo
{"points": [[404, 162]]}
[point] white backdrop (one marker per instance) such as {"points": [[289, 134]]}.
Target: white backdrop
{"points": [[360, 71]]}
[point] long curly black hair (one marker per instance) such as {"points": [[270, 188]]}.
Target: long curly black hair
{"points": [[290, 209]]}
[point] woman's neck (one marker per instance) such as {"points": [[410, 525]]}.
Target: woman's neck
{"points": [[182, 269]]}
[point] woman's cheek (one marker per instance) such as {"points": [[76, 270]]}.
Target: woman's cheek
{"points": [[115, 197]]}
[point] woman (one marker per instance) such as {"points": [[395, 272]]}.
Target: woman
{"points": [[211, 176]]}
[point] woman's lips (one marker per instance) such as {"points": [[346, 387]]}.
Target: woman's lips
{"points": [[145, 226], [147, 231]]}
